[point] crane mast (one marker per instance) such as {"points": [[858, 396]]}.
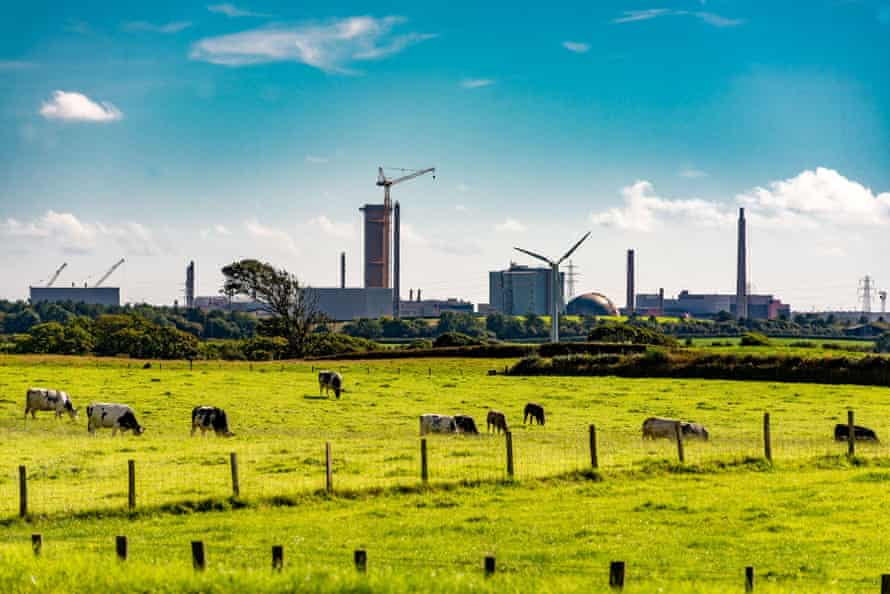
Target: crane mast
{"points": [[109, 273], [56, 274]]}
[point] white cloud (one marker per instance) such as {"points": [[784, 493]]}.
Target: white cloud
{"points": [[716, 20], [509, 226], [220, 230], [76, 107], [146, 27], [476, 83], [69, 234], [277, 236], [692, 173], [316, 160], [232, 11], [338, 230], [330, 47], [576, 46], [811, 200]]}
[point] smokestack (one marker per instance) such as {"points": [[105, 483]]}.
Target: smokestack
{"points": [[661, 301], [190, 285], [631, 292], [741, 291], [395, 264], [410, 294], [342, 270], [418, 294]]}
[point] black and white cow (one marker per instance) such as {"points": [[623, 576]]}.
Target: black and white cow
{"points": [[53, 400], [116, 416], [842, 433], [210, 417], [431, 423], [330, 380], [466, 424]]}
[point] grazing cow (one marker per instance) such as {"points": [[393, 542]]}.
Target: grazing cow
{"points": [[658, 427], [210, 417], [492, 372], [497, 420], [535, 412], [466, 424], [54, 400], [330, 380], [431, 423], [116, 416], [842, 433]]}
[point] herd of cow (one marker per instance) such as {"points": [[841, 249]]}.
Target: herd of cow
{"points": [[120, 417]]}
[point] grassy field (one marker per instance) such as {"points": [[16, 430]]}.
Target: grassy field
{"points": [[811, 523]]}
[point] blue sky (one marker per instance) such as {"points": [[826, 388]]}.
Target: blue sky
{"points": [[169, 131]]}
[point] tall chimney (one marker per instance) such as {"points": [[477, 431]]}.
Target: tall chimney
{"points": [[631, 293], [410, 294], [661, 301], [342, 270], [395, 264], [418, 294], [190, 285], [741, 290]]}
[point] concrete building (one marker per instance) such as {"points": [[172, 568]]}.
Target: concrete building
{"points": [[89, 295], [591, 304], [432, 308], [221, 302], [342, 305], [760, 307], [520, 290], [376, 245]]}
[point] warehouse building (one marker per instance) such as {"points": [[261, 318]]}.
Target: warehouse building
{"points": [[521, 290], [703, 305], [89, 295]]}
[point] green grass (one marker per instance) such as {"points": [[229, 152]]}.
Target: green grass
{"points": [[813, 523], [788, 346]]}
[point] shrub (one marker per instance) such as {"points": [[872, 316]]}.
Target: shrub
{"points": [[754, 339], [420, 343], [323, 345], [455, 339], [632, 333], [883, 343]]}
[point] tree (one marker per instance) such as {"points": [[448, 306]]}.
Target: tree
{"points": [[883, 343], [280, 294]]}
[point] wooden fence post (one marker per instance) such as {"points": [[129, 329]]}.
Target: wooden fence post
{"points": [[679, 434], [236, 485], [616, 575], [120, 547], [594, 462], [424, 464], [509, 440], [277, 557], [851, 438], [131, 484], [749, 579], [37, 543], [430, 373], [191, 364], [328, 469], [23, 492], [767, 441], [885, 583], [199, 561], [490, 565], [361, 560]]}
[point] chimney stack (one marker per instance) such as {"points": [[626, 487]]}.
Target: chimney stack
{"points": [[342, 270], [741, 292], [631, 292], [410, 294], [661, 301], [190, 285], [395, 264], [418, 294]]}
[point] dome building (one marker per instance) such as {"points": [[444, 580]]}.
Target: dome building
{"points": [[591, 304]]}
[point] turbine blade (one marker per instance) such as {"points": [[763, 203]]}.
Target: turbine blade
{"points": [[574, 247], [534, 255]]}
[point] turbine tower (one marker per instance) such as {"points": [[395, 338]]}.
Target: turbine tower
{"points": [[556, 301]]}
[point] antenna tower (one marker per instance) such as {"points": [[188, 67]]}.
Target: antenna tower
{"points": [[866, 286]]}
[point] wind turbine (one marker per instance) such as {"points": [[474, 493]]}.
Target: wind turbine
{"points": [[555, 286]]}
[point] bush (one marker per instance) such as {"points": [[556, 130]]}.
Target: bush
{"points": [[632, 333], [883, 343], [325, 345], [420, 343], [455, 339], [754, 339], [265, 348]]}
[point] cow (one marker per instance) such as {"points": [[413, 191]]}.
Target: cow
{"points": [[210, 417], [431, 423], [496, 420], [842, 433], [658, 427], [466, 424], [44, 399], [330, 380], [533, 412], [116, 416]]}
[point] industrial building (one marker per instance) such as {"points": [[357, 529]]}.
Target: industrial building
{"points": [[433, 308], [521, 290], [591, 304], [351, 303], [89, 295], [760, 307]]}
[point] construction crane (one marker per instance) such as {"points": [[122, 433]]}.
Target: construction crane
{"points": [[55, 276], [109, 273], [386, 183]]}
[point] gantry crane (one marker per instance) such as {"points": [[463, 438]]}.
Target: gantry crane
{"points": [[109, 273], [386, 183], [55, 276]]}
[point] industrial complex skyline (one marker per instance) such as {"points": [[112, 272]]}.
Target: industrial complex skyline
{"points": [[180, 131]]}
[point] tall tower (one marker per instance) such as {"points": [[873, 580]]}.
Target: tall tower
{"points": [[631, 291], [572, 278], [866, 286], [190, 285], [741, 290], [396, 295], [376, 242], [342, 270]]}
